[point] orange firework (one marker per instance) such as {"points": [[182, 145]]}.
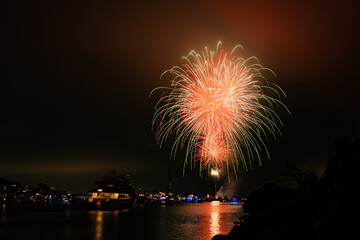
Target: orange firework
{"points": [[216, 106]]}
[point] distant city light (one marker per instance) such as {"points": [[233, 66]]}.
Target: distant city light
{"points": [[99, 190]]}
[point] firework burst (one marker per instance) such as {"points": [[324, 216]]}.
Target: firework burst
{"points": [[218, 107]]}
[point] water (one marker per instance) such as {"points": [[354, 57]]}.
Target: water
{"points": [[190, 221]]}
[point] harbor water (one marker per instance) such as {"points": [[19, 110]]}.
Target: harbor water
{"points": [[186, 221]]}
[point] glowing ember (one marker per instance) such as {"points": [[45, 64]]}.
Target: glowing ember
{"points": [[214, 172]]}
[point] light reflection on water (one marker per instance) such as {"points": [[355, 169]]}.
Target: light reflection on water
{"points": [[215, 218], [190, 221], [99, 225]]}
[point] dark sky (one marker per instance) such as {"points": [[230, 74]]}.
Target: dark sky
{"points": [[76, 80]]}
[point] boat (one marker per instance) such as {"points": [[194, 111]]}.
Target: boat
{"points": [[112, 192]]}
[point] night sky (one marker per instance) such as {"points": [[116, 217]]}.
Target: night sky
{"points": [[76, 78]]}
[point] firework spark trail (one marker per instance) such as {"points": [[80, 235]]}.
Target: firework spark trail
{"points": [[216, 107]]}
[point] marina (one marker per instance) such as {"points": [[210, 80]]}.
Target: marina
{"points": [[180, 221]]}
